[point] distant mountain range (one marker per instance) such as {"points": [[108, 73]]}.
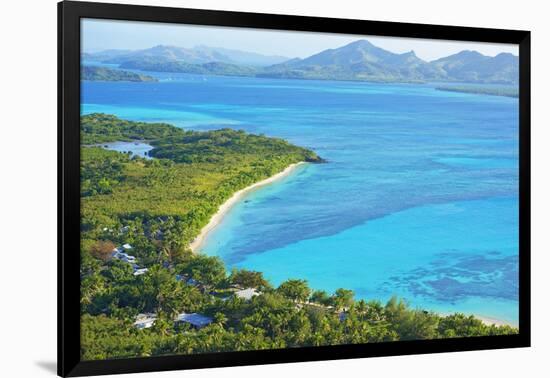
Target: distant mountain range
{"points": [[196, 55], [359, 60], [475, 67]]}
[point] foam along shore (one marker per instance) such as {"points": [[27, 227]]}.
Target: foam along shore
{"points": [[196, 244]]}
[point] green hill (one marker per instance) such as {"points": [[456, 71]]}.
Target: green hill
{"points": [[471, 66], [212, 68], [93, 73]]}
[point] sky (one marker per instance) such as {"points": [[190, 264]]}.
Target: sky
{"points": [[100, 35]]}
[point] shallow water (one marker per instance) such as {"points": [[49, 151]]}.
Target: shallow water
{"points": [[418, 198], [140, 149]]}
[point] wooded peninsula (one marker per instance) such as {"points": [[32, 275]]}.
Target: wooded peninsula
{"points": [[492, 91], [93, 73], [145, 293]]}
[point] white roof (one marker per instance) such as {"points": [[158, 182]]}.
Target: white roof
{"points": [[246, 293], [141, 271], [124, 257], [195, 319], [126, 246], [128, 259], [145, 320]]}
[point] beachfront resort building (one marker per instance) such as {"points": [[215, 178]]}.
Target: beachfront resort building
{"points": [[195, 320], [140, 271], [246, 294], [145, 320], [120, 254]]}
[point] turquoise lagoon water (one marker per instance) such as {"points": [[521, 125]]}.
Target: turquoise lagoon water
{"points": [[419, 197]]}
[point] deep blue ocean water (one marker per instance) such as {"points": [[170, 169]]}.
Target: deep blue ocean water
{"points": [[419, 197]]}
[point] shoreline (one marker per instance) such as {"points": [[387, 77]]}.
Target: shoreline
{"points": [[225, 207], [487, 320], [493, 321], [232, 201]]}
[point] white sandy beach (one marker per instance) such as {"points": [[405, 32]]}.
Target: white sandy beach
{"points": [[492, 321], [227, 205], [484, 319]]}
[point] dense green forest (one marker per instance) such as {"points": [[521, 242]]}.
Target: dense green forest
{"points": [[93, 73], [210, 68], [100, 128], [157, 206]]}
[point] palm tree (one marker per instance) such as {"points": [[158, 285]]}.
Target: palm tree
{"points": [[220, 318]]}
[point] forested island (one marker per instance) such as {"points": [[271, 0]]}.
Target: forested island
{"points": [[94, 73], [210, 68], [144, 293], [493, 91]]}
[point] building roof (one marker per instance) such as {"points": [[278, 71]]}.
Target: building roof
{"points": [[123, 255], [126, 246], [141, 271], [246, 293], [194, 319], [192, 282], [145, 320], [128, 259]]}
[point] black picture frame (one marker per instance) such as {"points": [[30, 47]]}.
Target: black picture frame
{"points": [[69, 15]]}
